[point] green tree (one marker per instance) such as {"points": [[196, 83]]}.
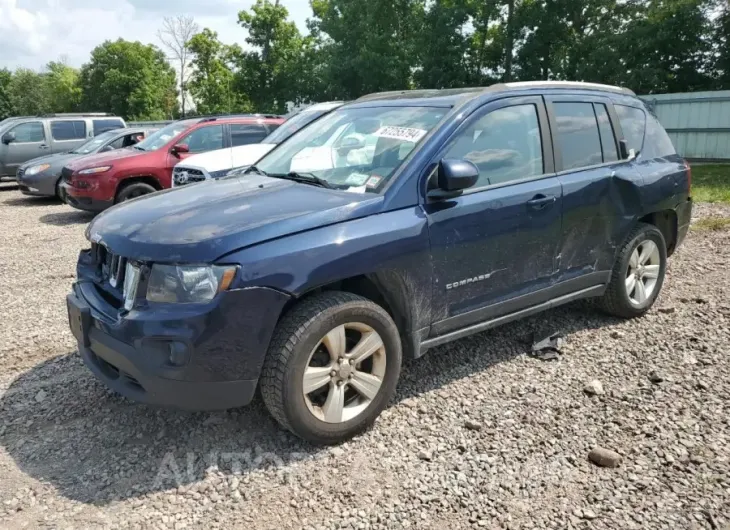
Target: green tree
{"points": [[211, 82], [271, 72], [29, 93], [443, 46], [722, 48], [6, 106], [370, 45], [130, 79], [64, 90]]}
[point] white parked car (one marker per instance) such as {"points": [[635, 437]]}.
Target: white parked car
{"points": [[216, 164]]}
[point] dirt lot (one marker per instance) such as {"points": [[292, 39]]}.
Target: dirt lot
{"points": [[480, 435]]}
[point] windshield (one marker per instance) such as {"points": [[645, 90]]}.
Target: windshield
{"points": [[95, 143], [159, 139], [292, 125], [357, 149]]}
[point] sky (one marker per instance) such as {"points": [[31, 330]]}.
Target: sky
{"points": [[34, 32]]}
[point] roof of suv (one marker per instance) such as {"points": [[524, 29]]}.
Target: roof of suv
{"points": [[239, 117], [452, 96]]}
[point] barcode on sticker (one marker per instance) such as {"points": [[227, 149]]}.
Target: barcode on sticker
{"points": [[407, 134]]}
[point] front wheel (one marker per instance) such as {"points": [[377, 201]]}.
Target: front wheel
{"points": [[332, 367], [638, 274], [134, 190]]}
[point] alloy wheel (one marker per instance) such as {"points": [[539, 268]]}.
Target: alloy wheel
{"points": [[643, 272], [344, 373]]}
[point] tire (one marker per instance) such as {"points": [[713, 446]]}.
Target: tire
{"points": [[60, 192], [133, 190], [301, 340], [620, 299]]}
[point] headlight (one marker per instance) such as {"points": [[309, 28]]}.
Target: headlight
{"points": [[94, 170], [34, 170], [188, 284]]}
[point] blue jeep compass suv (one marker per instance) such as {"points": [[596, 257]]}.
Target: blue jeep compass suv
{"points": [[396, 223]]}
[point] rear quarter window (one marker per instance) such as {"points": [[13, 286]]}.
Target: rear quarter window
{"points": [[633, 123], [101, 126], [657, 143]]}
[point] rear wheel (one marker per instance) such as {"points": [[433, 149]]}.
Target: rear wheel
{"points": [[332, 367], [638, 274], [134, 190]]}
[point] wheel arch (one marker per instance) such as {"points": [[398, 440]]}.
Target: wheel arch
{"points": [[391, 291], [145, 179], [666, 222]]}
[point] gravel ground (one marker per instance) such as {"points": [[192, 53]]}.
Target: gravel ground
{"points": [[480, 434]]}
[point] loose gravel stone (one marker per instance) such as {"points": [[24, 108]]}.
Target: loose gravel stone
{"points": [[83, 457], [604, 457], [594, 388]]}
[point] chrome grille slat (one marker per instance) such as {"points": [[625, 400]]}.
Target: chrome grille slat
{"points": [[184, 176]]}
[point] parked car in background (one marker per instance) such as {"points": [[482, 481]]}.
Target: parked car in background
{"points": [[243, 152], [476, 207], [99, 181], [42, 176], [22, 139]]}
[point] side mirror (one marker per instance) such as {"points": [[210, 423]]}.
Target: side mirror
{"points": [[106, 149], [453, 177], [180, 149], [8, 138]]}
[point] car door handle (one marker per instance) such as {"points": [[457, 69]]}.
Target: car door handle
{"points": [[43, 146], [538, 202]]}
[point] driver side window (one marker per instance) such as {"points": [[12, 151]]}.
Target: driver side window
{"points": [[204, 139], [504, 144], [30, 132]]}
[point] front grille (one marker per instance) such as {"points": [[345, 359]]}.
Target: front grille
{"points": [[113, 284], [183, 176], [66, 174]]}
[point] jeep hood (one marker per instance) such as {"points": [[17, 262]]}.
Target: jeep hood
{"points": [[107, 158], [202, 222]]}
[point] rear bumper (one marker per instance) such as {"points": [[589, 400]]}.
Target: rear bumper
{"points": [[194, 358]]}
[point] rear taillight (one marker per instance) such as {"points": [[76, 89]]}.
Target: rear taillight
{"points": [[689, 177]]}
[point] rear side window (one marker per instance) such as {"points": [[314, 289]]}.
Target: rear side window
{"points": [[578, 137], [29, 132], [633, 123], [504, 144], [68, 130], [657, 143], [244, 134], [608, 140], [101, 126]]}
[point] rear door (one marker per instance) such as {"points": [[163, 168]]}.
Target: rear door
{"points": [[600, 191], [247, 133], [30, 142], [494, 246], [67, 134]]}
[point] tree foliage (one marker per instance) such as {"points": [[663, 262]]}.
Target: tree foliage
{"points": [[129, 79], [175, 35], [211, 84]]}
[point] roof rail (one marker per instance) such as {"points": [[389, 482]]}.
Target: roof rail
{"points": [[76, 115], [420, 93], [224, 116], [563, 84]]}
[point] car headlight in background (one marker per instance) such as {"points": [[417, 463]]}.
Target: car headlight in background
{"points": [[34, 170], [188, 284], [95, 170]]}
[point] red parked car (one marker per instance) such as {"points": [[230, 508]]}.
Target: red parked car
{"points": [[97, 182]]}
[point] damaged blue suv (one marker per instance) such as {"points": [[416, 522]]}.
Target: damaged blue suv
{"points": [[396, 223]]}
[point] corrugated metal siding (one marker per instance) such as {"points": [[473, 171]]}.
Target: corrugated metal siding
{"points": [[697, 122]]}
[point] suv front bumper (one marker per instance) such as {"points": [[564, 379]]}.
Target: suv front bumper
{"points": [[206, 358]]}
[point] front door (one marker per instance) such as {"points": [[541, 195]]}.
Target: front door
{"points": [[201, 140], [30, 142], [494, 247]]}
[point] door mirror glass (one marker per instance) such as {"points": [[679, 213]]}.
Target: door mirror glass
{"points": [[8, 138], [107, 148], [453, 177], [180, 148], [626, 153]]}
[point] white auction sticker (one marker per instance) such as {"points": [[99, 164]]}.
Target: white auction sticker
{"points": [[407, 134]]}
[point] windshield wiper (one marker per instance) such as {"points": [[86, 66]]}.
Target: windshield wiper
{"points": [[254, 169], [305, 178]]}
